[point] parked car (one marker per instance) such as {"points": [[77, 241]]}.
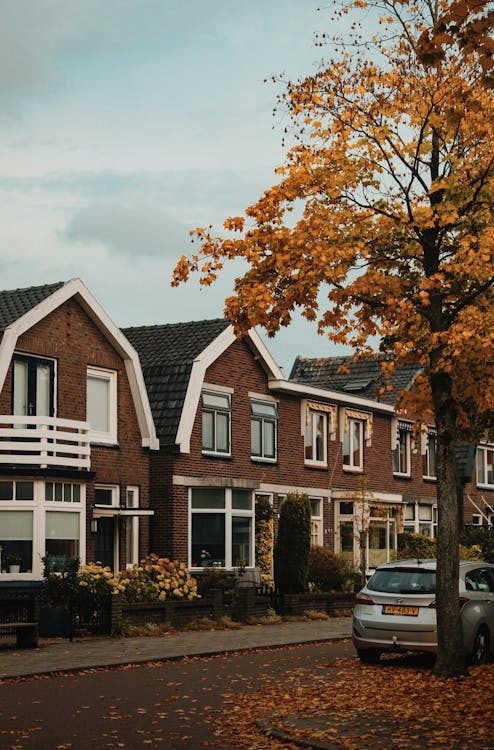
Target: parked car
{"points": [[395, 611]]}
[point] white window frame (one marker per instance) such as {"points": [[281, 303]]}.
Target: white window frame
{"points": [[229, 513], [39, 506], [311, 432], [132, 527], [403, 441], [115, 494], [419, 520], [348, 440], [263, 420], [215, 411], [430, 448], [110, 436], [316, 521], [482, 481]]}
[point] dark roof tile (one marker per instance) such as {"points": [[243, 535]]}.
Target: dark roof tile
{"points": [[167, 353], [17, 302], [357, 377]]}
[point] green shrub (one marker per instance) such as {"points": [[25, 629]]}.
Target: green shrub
{"points": [[416, 546], [482, 537], [423, 547], [293, 544], [327, 571]]}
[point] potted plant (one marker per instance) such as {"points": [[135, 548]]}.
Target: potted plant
{"points": [[14, 562], [57, 599]]}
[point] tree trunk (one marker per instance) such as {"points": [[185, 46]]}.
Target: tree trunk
{"points": [[451, 656]]}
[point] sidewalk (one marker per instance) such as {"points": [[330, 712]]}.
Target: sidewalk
{"points": [[66, 656]]}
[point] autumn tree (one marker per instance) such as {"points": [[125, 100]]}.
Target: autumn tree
{"points": [[385, 204]]}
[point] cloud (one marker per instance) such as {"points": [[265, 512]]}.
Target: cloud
{"points": [[134, 232]]}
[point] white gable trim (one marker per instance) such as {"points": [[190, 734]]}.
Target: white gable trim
{"points": [[75, 288], [196, 381]]}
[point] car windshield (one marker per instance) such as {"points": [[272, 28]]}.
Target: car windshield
{"points": [[403, 581]]}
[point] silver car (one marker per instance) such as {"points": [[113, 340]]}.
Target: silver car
{"points": [[395, 611]]}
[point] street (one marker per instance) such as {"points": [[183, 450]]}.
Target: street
{"points": [[170, 706]]}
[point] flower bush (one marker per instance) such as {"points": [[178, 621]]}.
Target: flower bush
{"points": [[155, 579], [95, 579]]}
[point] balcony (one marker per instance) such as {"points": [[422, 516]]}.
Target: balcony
{"points": [[44, 442]]}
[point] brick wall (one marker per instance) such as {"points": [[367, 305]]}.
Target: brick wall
{"points": [[238, 369], [73, 341]]}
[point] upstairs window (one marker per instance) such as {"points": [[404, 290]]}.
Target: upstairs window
{"points": [[353, 444], [485, 465], [402, 454], [216, 421], [429, 466], [315, 442], [101, 403], [263, 428]]}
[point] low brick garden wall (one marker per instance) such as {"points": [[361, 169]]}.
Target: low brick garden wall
{"points": [[249, 604], [337, 604]]}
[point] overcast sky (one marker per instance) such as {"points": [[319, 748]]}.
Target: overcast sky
{"points": [[125, 123]]}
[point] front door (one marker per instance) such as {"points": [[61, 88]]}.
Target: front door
{"points": [[32, 386], [105, 542]]}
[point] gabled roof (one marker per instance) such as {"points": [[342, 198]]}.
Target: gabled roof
{"points": [[174, 360], [21, 309], [167, 354], [360, 377], [17, 302]]}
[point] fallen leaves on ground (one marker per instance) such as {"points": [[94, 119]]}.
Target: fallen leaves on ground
{"points": [[353, 706]]}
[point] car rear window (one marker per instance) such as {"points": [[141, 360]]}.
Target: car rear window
{"points": [[403, 581]]}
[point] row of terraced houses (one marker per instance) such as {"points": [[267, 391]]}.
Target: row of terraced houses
{"points": [[116, 443]]}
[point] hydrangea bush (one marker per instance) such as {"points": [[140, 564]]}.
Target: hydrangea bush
{"points": [[155, 579]]}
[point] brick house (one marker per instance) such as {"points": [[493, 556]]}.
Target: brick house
{"points": [[232, 427], [397, 463], [76, 432]]}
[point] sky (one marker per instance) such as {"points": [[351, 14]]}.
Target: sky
{"points": [[126, 123]]}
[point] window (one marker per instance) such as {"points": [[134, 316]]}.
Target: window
{"points": [[216, 411], [66, 492], [421, 518], [39, 519], [62, 537], [353, 444], [33, 386], [132, 528], [485, 465], [102, 404], [263, 423], [16, 541], [316, 536], [315, 442], [106, 494], [429, 467], [222, 521], [402, 453]]}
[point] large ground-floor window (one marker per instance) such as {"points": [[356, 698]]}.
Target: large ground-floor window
{"points": [[39, 519], [366, 534], [221, 527]]}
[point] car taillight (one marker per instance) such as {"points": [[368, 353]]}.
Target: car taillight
{"points": [[462, 599], [362, 598]]}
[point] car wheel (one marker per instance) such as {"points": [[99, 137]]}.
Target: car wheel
{"points": [[369, 655], [480, 651]]}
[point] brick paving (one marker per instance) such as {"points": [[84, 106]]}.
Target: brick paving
{"points": [[58, 655]]}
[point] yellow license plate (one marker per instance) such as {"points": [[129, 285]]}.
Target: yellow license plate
{"points": [[400, 609]]}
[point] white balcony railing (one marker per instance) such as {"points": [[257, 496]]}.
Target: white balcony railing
{"points": [[44, 442]]}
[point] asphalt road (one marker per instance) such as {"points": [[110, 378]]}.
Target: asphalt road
{"points": [[167, 706]]}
